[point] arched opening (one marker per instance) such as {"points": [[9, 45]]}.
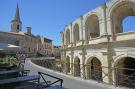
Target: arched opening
{"points": [[129, 20], [63, 39], [92, 27], [125, 72], [18, 27], [77, 67], [94, 69], [76, 33], [67, 62], [67, 36], [122, 11]]}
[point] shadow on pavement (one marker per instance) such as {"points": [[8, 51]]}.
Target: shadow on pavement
{"points": [[56, 87]]}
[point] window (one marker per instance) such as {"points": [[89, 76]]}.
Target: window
{"points": [[17, 27], [17, 43], [29, 49]]}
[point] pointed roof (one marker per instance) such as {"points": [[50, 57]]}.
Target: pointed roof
{"points": [[17, 15]]}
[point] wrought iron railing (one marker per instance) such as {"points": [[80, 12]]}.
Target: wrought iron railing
{"points": [[43, 83]]}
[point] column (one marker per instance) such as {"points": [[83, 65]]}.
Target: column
{"points": [[71, 63], [105, 23], [83, 74]]}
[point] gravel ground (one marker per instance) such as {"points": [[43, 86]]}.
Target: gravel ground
{"points": [[69, 81]]}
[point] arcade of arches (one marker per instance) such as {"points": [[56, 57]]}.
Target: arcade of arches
{"points": [[105, 52], [123, 68]]}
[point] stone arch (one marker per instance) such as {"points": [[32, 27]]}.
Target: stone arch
{"points": [[77, 70], [67, 64], [76, 33], [67, 36], [92, 13], [125, 70], [94, 69], [118, 12], [92, 28]]}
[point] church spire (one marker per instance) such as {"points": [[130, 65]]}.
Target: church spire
{"points": [[16, 24], [17, 15]]}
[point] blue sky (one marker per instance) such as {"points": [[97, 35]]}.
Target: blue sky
{"points": [[46, 17]]}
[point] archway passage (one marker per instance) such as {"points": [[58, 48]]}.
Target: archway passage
{"points": [[77, 67], [125, 72], [120, 12], [92, 27], [94, 69], [67, 65]]}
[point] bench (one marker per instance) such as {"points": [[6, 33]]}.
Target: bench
{"points": [[9, 74], [9, 71], [13, 73], [5, 82]]}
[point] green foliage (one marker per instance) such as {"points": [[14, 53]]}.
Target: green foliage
{"points": [[9, 60]]}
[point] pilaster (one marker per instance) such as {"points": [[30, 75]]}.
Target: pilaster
{"points": [[82, 66]]}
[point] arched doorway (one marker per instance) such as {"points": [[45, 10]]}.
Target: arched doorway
{"points": [[119, 13], [94, 69], [92, 27], [67, 64], [77, 67], [76, 33], [125, 72]]}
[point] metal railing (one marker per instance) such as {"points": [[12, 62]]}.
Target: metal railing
{"points": [[125, 77], [48, 83]]}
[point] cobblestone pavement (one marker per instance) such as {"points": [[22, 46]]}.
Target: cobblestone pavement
{"points": [[69, 81]]}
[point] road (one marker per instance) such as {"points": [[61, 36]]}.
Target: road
{"points": [[69, 81]]}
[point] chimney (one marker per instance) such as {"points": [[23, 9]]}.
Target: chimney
{"points": [[28, 30]]}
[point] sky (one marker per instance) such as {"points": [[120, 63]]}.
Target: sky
{"points": [[47, 17]]}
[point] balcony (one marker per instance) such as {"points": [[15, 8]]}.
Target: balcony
{"points": [[124, 36], [98, 40], [79, 43], [69, 45]]}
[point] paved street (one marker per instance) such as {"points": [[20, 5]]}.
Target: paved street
{"points": [[69, 82]]}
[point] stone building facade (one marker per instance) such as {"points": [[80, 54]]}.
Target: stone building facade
{"points": [[29, 43], [56, 50], [46, 46], [95, 44], [12, 38]]}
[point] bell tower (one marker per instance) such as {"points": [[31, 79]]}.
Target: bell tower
{"points": [[16, 24]]}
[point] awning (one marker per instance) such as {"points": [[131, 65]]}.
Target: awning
{"points": [[1, 49], [5, 45]]}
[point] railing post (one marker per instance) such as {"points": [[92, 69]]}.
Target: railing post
{"points": [[61, 82], [38, 80]]}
